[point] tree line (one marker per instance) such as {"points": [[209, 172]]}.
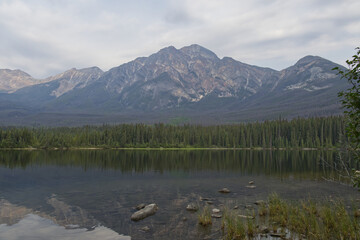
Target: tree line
{"points": [[317, 132]]}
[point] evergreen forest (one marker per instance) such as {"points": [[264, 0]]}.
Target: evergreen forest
{"points": [[317, 132]]}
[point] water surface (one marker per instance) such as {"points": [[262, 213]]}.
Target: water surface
{"points": [[92, 193]]}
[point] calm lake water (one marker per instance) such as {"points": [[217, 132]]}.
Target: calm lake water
{"points": [[91, 194]]}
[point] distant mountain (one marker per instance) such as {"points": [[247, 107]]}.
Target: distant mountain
{"points": [[190, 83], [39, 95], [12, 80]]}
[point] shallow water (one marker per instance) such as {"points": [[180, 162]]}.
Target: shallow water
{"points": [[94, 192]]}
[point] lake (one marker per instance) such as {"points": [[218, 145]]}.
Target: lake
{"points": [[91, 194]]}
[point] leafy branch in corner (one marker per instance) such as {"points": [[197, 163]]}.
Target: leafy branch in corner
{"points": [[350, 99]]}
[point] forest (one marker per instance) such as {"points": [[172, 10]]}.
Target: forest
{"points": [[316, 132]]}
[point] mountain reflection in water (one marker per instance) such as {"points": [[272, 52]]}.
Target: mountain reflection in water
{"points": [[18, 223], [95, 191]]}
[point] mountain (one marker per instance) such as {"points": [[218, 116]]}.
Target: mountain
{"points": [[190, 83], [12, 80], [56, 86], [170, 79]]}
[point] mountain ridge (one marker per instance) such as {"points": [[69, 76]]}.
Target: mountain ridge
{"points": [[191, 82]]}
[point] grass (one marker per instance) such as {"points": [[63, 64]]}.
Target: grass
{"points": [[297, 220], [233, 226], [205, 217]]}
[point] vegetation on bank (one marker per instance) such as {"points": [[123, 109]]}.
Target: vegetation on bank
{"points": [[299, 220], [320, 132]]}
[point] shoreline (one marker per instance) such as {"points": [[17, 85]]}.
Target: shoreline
{"points": [[169, 149]]}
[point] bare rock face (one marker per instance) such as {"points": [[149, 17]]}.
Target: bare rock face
{"points": [[173, 76], [190, 81], [74, 79], [12, 80], [147, 211]]}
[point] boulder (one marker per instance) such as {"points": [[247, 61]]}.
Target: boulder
{"points": [[145, 212]]}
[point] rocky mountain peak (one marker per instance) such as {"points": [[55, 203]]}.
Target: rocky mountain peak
{"points": [[74, 78], [12, 80], [195, 51], [166, 50], [309, 60], [310, 73], [191, 78]]}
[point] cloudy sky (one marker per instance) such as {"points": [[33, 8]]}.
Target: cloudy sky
{"points": [[45, 37]]}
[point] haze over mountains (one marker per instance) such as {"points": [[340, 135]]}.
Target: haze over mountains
{"points": [[190, 84]]}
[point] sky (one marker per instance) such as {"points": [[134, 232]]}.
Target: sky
{"points": [[46, 37]]}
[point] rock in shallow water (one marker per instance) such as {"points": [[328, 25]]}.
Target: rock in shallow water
{"points": [[191, 207], [140, 206], [215, 210], [224, 190], [259, 202], [145, 229], [145, 212]]}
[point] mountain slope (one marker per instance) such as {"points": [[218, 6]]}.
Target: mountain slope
{"points": [[12, 80], [190, 83], [39, 95], [172, 78]]}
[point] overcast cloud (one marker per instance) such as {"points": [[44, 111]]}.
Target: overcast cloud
{"points": [[45, 37]]}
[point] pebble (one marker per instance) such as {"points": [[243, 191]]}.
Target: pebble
{"points": [[225, 190]]}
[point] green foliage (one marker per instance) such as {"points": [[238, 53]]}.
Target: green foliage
{"points": [[297, 133], [205, 217], [350, 100], [297, 220]]}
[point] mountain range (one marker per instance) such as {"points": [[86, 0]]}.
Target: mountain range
{"points": [[190, 84]]}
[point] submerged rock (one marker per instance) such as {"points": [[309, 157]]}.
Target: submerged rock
{"points": [[204, 199], [246, 217], [251, 182], [145, 212], [264, 229], [140, 206], [216, 215], [357, 213], [250, 186], [224, 190], [192, 207], [259, 202], [145, 229], [278, 235]]}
